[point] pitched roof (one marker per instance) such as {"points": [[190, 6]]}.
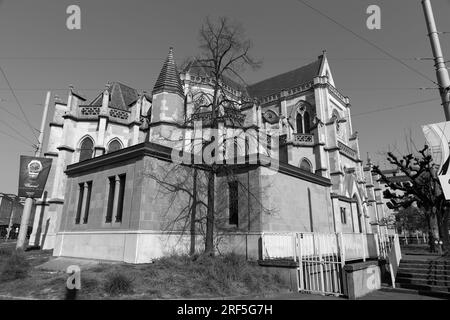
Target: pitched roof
{"points": [[120, 96], [285, 80], [169, 79], [195, 68]]}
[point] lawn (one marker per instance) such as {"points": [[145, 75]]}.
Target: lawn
{"points": [[174, 277]]}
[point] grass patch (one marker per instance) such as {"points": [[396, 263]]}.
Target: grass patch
{"points": [[15, 267], [167, 278], [118, 283]]}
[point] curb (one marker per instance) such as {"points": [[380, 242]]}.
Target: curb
{"points": [[7, 297]]}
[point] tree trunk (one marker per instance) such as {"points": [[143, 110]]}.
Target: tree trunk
{"points": [[193, 214], [443, 230], [433, 231], [209, 240], [430, 233]]}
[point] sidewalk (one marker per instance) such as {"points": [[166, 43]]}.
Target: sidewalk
{"points": [[377, 295]]}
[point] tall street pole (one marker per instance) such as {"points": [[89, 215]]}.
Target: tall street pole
{"points": [[11, 217], [29, 201], [441, 69]]}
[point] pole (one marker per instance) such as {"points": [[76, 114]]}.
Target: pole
{"points": [[11, 216], [441, 69], [29, 201]]}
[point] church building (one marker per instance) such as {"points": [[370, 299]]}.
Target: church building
{"points": [[115, 192]]}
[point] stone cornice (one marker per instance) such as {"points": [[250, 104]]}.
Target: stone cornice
{"points": [[55, 124], [51, 154], [165, 153], [66, 148]]}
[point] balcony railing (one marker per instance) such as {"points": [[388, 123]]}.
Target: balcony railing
{"points": [[346, 150], [119, 114], [300, 139], [89, 111]]}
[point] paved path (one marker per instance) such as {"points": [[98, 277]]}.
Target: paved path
{"points": [[376, 295]]}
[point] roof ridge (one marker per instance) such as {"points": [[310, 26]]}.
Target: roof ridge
{"points": [[286, 80]]}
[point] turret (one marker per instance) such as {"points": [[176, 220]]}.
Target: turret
{"points": [[167, 105]]}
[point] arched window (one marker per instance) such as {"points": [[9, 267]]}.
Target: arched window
{"points": [[114, 146], [306, 123], [304, 111], [86, 149], [299, 123], [306, 165]]}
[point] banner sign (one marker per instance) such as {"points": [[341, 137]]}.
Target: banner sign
{"points": [[33, 175]]}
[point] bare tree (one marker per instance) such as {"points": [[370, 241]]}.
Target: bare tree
{"points": [[224, 55], [422, 188]]}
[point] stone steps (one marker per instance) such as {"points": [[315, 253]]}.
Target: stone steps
{"points": [[426, 277], [444, 284], [430, 276], [431, 272]]}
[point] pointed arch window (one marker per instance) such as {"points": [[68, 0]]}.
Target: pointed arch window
{"points": [[303, 121], [306, 165], [306, 122], [114, 145], [299, 121], [86, 149]]}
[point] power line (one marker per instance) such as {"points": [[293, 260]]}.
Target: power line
{"points": [[15, 130], [18, 102], [159, 59], [271, 89], [369, 42], [12, 114], [15, 138], [394, 107]]}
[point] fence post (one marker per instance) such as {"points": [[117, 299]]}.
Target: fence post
{"points": [[299, 238], [294, 246], [363, 242], [262, 246], [341, 248]]}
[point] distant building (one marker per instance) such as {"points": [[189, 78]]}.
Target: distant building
{"points": [[11, 208], [102, 199]]}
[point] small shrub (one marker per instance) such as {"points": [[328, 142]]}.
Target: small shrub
{"points": [[89, 284], [5, 252], [251, 282], [154, 292], [15, 267], [186, 292], [118, 283], [277, 278], [101, 267]]}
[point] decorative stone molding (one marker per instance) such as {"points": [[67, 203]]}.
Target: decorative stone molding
{"points": [[90, 111], [119, 114], [347, 151], [300, 139]]}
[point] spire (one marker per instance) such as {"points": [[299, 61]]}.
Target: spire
{"points": [[169, 79]]}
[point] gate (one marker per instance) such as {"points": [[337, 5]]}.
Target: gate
{"points": [[320, 264]]}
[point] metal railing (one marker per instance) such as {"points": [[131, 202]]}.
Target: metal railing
{"points": [[348, 246]]}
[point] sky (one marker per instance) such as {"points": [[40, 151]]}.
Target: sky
{"points": [[127, 41]]}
